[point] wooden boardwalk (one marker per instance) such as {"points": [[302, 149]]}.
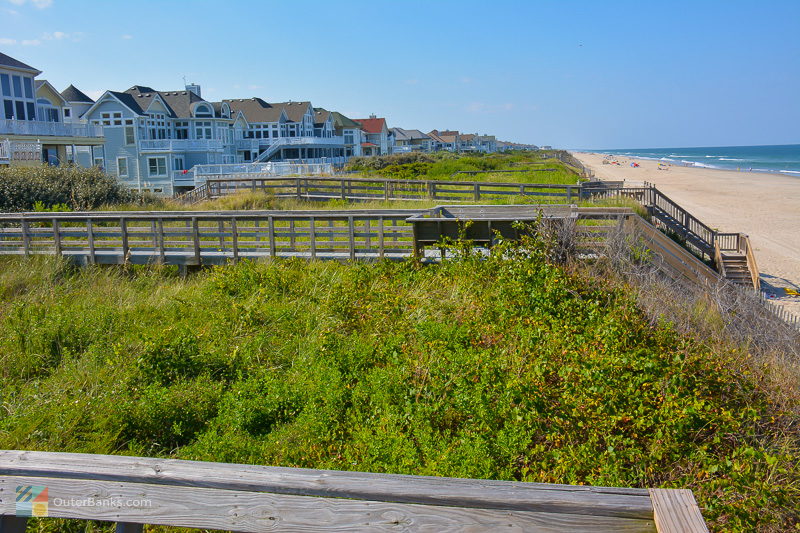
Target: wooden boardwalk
{"points": [[134, 490]]}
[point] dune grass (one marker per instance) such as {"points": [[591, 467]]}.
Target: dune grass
{"points": [[507, 367]]}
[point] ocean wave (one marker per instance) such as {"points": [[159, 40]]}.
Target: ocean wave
{"points": [[731, 159], [790, 172], [697, 164]]}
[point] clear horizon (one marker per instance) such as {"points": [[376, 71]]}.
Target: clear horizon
{"points": [[607, 76]]}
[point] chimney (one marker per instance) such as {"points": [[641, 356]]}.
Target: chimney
{"points": [[193, 87], [373, 116]]}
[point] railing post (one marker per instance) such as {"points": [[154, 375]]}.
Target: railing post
{"points": [[476, 191], [380, 237], [90, 241], [271, 229], [13, 524], [431, 190], [351, 235], [56, 236], [26, 237], [235, 240], [298, 188], [123, 227], [128, 527], [196, 239], [162, 252], [344, 195], [569, 194], [312, 233], [386, 191]]}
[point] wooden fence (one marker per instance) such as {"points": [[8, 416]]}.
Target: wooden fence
{"points": [[359, 189], [132, 491]]}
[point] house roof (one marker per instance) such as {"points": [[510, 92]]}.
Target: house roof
{"points": [[73, 94], [434, 134], [372, 125], [341, 121], [255, 109], [467, 136], [408, 135], [179, 103], [8, 61], [129, 101], [321, 116], [295, 111]]}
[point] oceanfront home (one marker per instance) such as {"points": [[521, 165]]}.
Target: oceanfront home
{"points": [[37, 125], [411, 141], [377, 136], [154, 137], [351, 133], [283, 131]]}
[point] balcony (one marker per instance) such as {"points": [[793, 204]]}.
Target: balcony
{"points": [[181, 145], [40, 128], [182, 178]]}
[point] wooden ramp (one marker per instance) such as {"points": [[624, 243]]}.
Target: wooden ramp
{"points": [[134, 490]]}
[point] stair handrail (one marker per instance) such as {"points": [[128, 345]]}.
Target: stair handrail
{"points": [[718, 259], [752, 266]]}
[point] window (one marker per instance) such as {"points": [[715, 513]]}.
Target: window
{"points": [[182, 130], [203, 111], [202, 130], [17, 86], [130, 135], [178, 164], [8, 105], [28, 88], [122, 167], [157, 166], [348, 138], [5, 83], [67, 112], [98, 162], [20, 110]]}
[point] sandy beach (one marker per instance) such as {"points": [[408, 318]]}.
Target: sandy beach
{"points": [[764, 206]]}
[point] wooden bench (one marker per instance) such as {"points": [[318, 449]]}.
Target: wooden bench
{"points": [[133, 490]]}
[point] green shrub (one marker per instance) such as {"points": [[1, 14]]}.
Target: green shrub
{"points": [[55, 188]]}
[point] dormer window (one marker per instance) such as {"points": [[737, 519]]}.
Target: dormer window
{"points": [[203, 111]]}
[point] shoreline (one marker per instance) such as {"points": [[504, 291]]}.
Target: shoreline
{"points": [[690, 164], [764, 205]]}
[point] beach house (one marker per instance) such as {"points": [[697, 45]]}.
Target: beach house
{"points": [[36, 125], [377, 136], [351, 133], [411, 141], [283, 131], [154, 137]]}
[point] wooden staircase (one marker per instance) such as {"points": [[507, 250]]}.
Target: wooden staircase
{"points": [[734, 268]]}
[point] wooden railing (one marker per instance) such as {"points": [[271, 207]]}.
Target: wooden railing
{"points": [[346, 188], [132, 491]]}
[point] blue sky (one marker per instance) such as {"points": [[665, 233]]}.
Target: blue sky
{"points": [[594, 74]]}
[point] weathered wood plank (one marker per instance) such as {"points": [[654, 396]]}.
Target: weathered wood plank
{"points": [[676, 511], [257, 512], [542, 497]]}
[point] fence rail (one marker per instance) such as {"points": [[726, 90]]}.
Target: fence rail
{"points": [[346, 188], [250, 498]]}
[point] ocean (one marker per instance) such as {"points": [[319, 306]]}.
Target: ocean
{"points": [[783, 158]]}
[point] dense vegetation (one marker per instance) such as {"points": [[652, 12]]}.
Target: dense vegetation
{"points": [[509, 367], [75, 188], [529, 167]]}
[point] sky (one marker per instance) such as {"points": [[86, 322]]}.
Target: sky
{"points": [[571, 74]]}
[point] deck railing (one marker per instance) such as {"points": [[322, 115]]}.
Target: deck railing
{"points": [[133, 491], [49, 129]]}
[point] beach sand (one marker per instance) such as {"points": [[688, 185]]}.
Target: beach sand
{"points": [[764, 206]]}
